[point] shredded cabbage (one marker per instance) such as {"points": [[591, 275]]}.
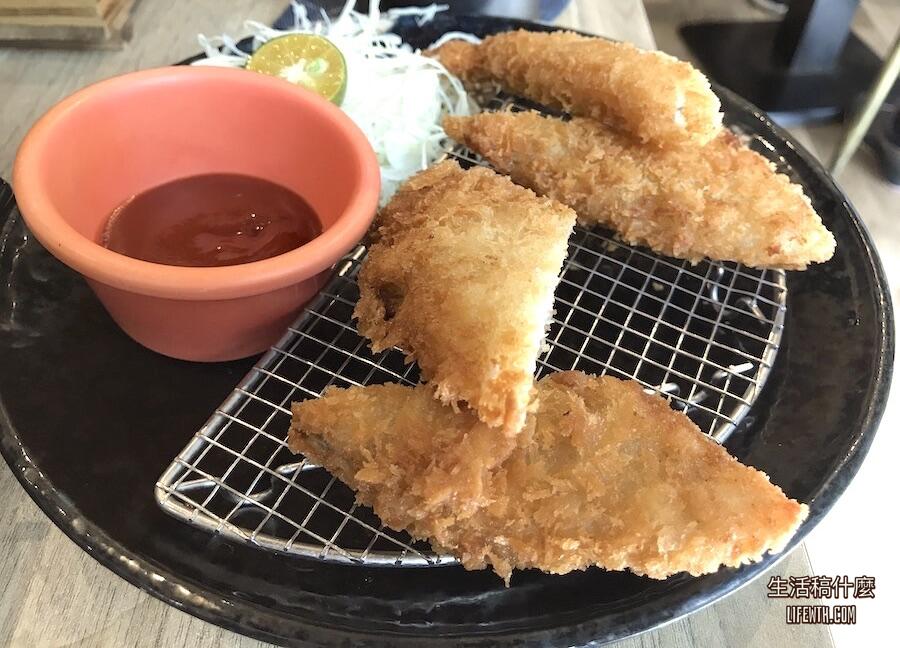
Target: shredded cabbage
{"points": [[395, 95]]}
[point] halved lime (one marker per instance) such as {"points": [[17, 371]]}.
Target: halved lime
{"points": [[307, 60]]}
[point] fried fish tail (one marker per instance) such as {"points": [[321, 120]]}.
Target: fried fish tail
{"points": [[436, 465], [720, 201], [651, 95], [602, 474], [464, 60]]}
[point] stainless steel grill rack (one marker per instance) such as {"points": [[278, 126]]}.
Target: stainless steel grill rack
{"points": [[706, 336]]}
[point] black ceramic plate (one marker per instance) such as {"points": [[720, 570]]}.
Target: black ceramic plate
{"points": [[90, 419]]}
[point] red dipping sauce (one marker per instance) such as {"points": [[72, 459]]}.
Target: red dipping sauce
{"points": [[211, 220]]}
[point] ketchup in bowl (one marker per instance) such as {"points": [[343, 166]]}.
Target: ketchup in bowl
{"points": [[211, 220]]}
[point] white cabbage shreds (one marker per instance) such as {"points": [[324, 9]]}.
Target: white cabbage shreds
{"points": [[397, 96]]}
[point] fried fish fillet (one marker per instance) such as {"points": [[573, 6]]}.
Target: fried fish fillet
{"points": [[651, 95], [602, 474], [721, 201], [461, 277]]}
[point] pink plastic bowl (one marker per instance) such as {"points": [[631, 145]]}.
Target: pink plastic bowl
{"points": [[122, 136]]}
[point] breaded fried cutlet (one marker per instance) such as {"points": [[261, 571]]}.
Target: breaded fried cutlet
{"points": [[720, 201], [602, 474], [461, 277], [445, 456], [654, 96]]}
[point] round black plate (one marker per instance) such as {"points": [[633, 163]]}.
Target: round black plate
{"points": [[90, 419]]}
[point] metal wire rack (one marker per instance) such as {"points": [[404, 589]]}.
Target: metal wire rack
{"points": [[705, 336]]}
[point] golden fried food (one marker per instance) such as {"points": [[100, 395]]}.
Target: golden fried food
{"points": [[602, 474], [462, 59], [461, 277], [721, 201], [409, 456], [651, 95]]}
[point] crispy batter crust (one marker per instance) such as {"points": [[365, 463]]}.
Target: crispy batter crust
{"points": [[651, 95], [462, 59], [408, 455], [721, 201], [461, 277], [602, 474]]}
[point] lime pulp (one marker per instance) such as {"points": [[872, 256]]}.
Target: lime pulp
{"points": [[307, 60]]}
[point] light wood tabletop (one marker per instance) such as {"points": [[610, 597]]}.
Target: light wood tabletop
{"points": [[54, 594]]}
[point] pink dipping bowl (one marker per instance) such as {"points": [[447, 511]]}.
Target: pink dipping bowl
{"points": [[119, 137]]}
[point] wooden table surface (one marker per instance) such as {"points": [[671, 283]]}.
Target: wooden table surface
{"points": [[54, 594]]}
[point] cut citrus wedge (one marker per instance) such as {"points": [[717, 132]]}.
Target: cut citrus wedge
{"points": [[306, 60]]}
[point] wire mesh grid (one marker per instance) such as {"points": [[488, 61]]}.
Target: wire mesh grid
{"points": [[705, 336]]}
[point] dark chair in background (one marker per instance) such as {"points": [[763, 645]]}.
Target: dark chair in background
{"points": [[806, 67]]}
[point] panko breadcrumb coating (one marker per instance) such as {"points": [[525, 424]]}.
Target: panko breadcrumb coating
{"points": [[721, 201], [651, 95], [461, 277], [602, 474]]}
